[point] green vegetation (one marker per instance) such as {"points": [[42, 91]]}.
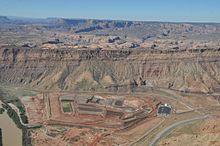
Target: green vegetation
{"points": [[11, 95], [13, 115], [21, 108], [67, 106], [2, 110]]}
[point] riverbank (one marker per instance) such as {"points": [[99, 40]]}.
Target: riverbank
{"points": [[9, 129], [18, 117], [25, 138]]}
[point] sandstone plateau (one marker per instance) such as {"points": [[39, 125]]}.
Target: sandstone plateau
{"points": [[93, 55]]}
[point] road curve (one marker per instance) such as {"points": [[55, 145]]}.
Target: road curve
{"points": [[142, 137], [164, 132]]}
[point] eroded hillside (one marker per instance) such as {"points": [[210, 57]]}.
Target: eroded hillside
{"points": [[106, 70], [93, 55]]}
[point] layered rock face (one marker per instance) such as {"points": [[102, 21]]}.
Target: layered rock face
{"points": [[101, 55], [196, 70]]}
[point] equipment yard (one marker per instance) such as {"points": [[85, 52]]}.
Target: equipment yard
{"points": [[107, 119]]}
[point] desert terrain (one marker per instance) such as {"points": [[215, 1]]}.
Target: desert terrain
{"points": [[85, 82]]}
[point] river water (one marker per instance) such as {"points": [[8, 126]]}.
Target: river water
{"points": [[12, 136]]}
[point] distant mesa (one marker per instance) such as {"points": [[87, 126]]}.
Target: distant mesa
{"points": [[4, 19], [89, 29], [55, 41]]}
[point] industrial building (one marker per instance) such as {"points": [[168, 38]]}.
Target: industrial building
{"points": [[107, 108], [164, 110]]}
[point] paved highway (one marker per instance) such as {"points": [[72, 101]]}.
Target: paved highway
{"points": [[164, 132], [146, 134]]}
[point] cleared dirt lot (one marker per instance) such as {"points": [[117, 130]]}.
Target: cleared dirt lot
{"points": [[62, 128]]}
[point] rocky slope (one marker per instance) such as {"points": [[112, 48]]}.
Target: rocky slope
{"points": [[108, 55], [101, 70]]}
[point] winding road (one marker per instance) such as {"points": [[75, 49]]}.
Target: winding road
{"points": [[142, 137], [164, 132]]}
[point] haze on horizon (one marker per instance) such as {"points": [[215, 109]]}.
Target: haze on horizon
{"points": [[142, 10]]}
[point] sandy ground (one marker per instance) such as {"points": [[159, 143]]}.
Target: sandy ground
{"points": [[203, 133], [35, 108], [48, 111], [72, 135]]}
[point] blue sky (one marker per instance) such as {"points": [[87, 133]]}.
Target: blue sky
{"points": [[147, 10]]}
